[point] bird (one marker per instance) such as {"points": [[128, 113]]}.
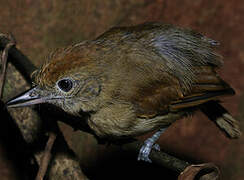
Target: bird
{"points": [[132, 80]]}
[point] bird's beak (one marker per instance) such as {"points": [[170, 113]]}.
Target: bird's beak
{"points": [[30, 97]]}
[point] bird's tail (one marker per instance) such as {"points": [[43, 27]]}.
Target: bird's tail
{"points": [[222, 118]]}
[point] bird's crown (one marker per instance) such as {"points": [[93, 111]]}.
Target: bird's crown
{"points": [[61, 63]]}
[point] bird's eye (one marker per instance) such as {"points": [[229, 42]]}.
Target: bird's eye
{"points": [[65, 85]]}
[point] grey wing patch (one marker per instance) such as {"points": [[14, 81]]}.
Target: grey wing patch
{"points": [[176, 49], [181, 50]]}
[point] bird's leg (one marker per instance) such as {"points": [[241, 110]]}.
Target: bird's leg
{"points": [[148, 145]]}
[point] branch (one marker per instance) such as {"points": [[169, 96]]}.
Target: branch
{"points": [[186, 170], [4, 59], [159, 157], [18, 59]]}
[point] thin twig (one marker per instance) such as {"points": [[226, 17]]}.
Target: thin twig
{"points": [[46, 157], [4, 59]]}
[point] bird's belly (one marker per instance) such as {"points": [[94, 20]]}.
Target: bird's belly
{"points": [[136, 127]]}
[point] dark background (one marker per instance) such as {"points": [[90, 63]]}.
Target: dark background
{"points": [[42, 25]]}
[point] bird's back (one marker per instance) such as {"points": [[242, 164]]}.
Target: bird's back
{"points": [[161, 68]]}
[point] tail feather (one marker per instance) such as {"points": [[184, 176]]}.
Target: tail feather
{"points": [[222, 118]]}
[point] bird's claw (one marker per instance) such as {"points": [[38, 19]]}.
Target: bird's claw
{"points": [[156, 147], [145, 151]]}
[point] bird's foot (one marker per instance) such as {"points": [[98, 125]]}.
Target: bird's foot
{"points": [[156, 147], [148, 145], [146, 149]]}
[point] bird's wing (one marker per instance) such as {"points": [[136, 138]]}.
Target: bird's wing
{"points": [[171, 97], [165, 67], [177, 50], [208, 86]]}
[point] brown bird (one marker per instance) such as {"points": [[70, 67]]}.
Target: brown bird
{"points": [[133, 80]]}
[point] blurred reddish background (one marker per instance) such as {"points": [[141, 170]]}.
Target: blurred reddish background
{"points": [[41, 26]]}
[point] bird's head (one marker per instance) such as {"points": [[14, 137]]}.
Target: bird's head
{"points": [[70, 80]]}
